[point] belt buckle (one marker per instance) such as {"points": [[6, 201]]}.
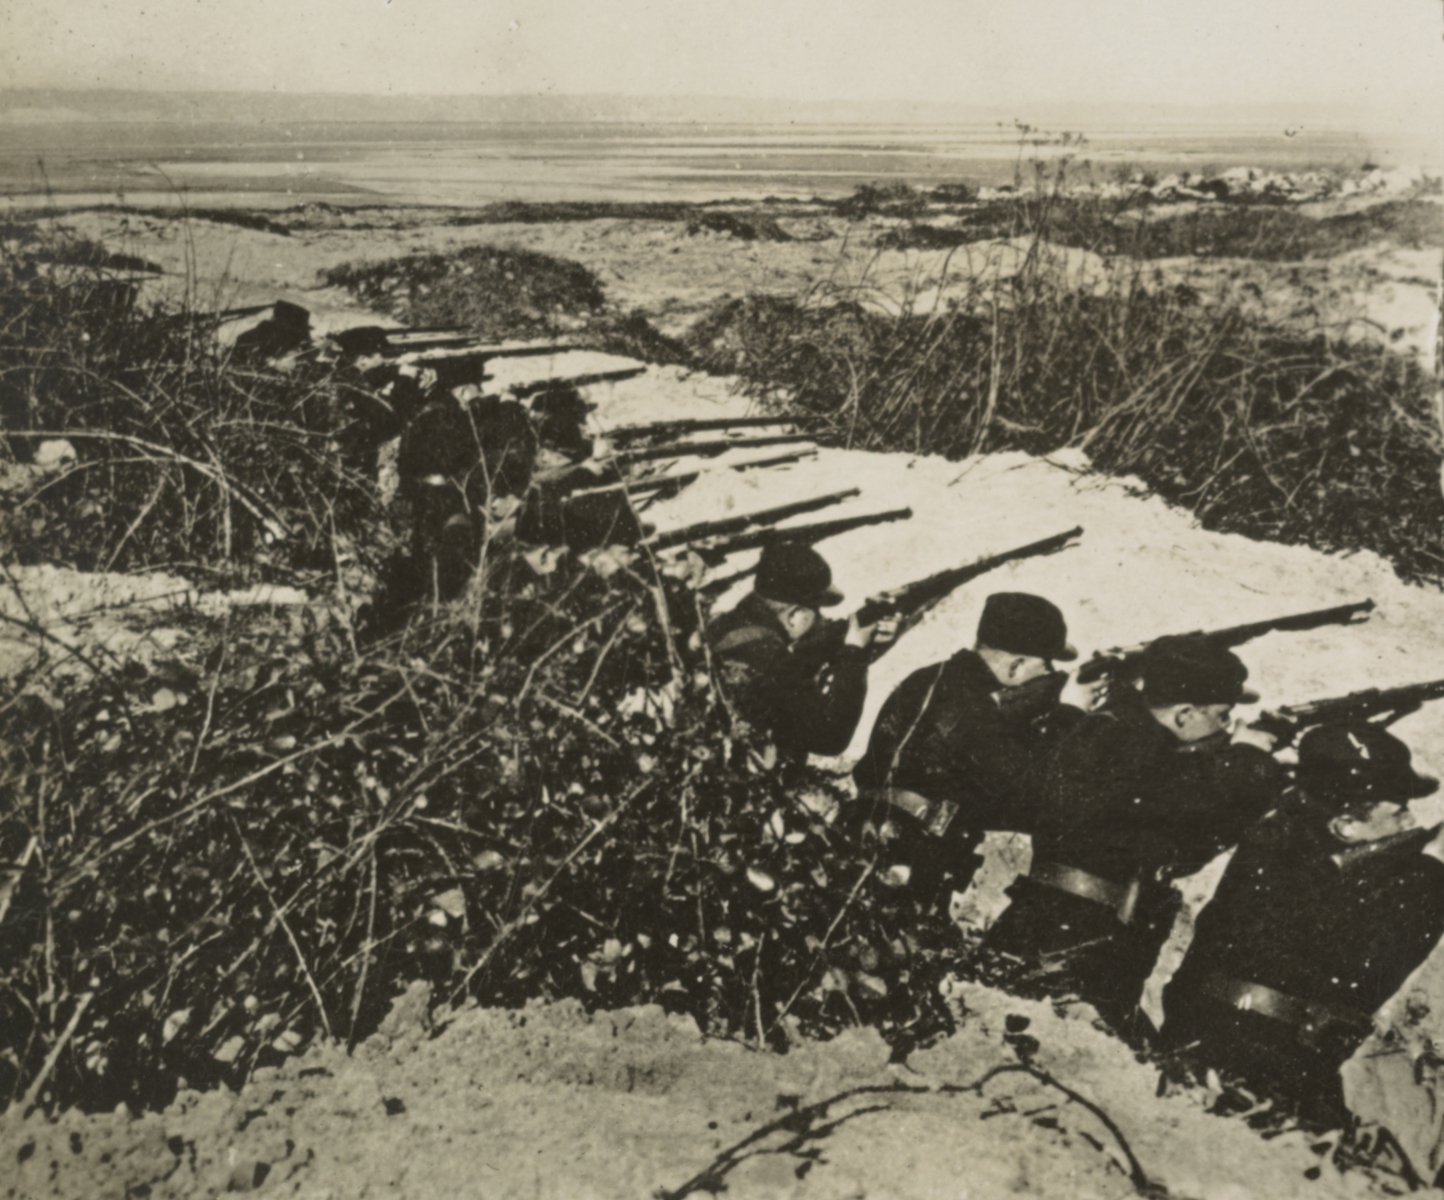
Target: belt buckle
{"points": [[940, 817]]}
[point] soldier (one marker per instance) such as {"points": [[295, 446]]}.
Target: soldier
{"points": [[1134, 797], [1328, 905], [553, 518], [807, 704], [957, 747]]}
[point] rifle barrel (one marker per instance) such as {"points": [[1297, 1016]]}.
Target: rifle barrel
{"points": [[707, 448], [817, 531], [1109, 661], [629, 433], [1236, 635], [661, 482], [1359, 705], [919, 596], [726, 525]]}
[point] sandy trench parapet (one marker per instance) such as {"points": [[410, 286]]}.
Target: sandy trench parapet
{"points": [[549, 1101]]}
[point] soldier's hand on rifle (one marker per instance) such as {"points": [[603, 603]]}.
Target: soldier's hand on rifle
{"points": [[862, 636], [689, 567], [1086, 696]]}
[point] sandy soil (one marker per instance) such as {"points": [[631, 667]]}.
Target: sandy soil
{"points": [[550, 1102], [1382, 293]]}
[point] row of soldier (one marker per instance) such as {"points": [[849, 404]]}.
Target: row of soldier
{"points": [[1125, 784]]}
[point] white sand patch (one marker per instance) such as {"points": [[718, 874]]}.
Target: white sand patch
{"points": [[76, 619], [504, 374], [665, 394]]}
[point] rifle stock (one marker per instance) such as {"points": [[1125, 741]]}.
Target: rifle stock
{"points": [[1116, 662]]}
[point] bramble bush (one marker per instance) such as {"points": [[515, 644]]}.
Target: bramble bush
{"points": [[539, 794], [1256, 429], [187, 456]]}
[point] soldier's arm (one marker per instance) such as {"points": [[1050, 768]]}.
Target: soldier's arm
{"points": [[742, 659], [814, 710], [1213, 800]]}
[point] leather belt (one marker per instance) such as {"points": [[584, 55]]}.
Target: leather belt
{"points": [[1120, 898], [1302, 1014], [933, 815]]}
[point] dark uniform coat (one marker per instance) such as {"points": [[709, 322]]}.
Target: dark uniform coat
{"points": [[1129, 806], [807, 705], [1338, 926], [552, 515], [945, 735], [454, 458]]}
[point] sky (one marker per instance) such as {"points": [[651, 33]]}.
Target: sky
{"points": [[1382, 54]]}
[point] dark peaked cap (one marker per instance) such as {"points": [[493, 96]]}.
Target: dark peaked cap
{"points": [[1191, 669], [1018, 623], [1343, 764], [795, 573]]}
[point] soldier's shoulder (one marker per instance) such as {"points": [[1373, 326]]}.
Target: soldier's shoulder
{"points": [[745, 633]]}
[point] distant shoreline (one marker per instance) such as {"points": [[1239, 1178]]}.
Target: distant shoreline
{"points": [[269, 164]]}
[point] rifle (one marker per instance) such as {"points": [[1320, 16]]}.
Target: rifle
{"points": [[1285, 723], [913, 600], [726, 525], [651, 486], [706, 449], [1119, 662], [673, 429], [375, 339], [714, 552]]}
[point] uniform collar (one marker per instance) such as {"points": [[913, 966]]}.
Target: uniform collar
{"points": [[759, 612]]}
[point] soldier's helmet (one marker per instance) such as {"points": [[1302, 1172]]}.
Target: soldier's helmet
{"points": [[560, 415], [1356, 763], [1019, 623], [1192, 669], [795, 573]]}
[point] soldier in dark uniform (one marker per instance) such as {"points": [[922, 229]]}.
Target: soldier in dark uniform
{"points": [[957, 747], [808, 705], [1328, 905], [1135, 797], [458, 455], [572, 505]]}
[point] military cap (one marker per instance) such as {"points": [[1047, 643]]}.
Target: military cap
{"points": [[1018, 623], [795, 573], [1190, 669], [561, 414], [1345, 764]]}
